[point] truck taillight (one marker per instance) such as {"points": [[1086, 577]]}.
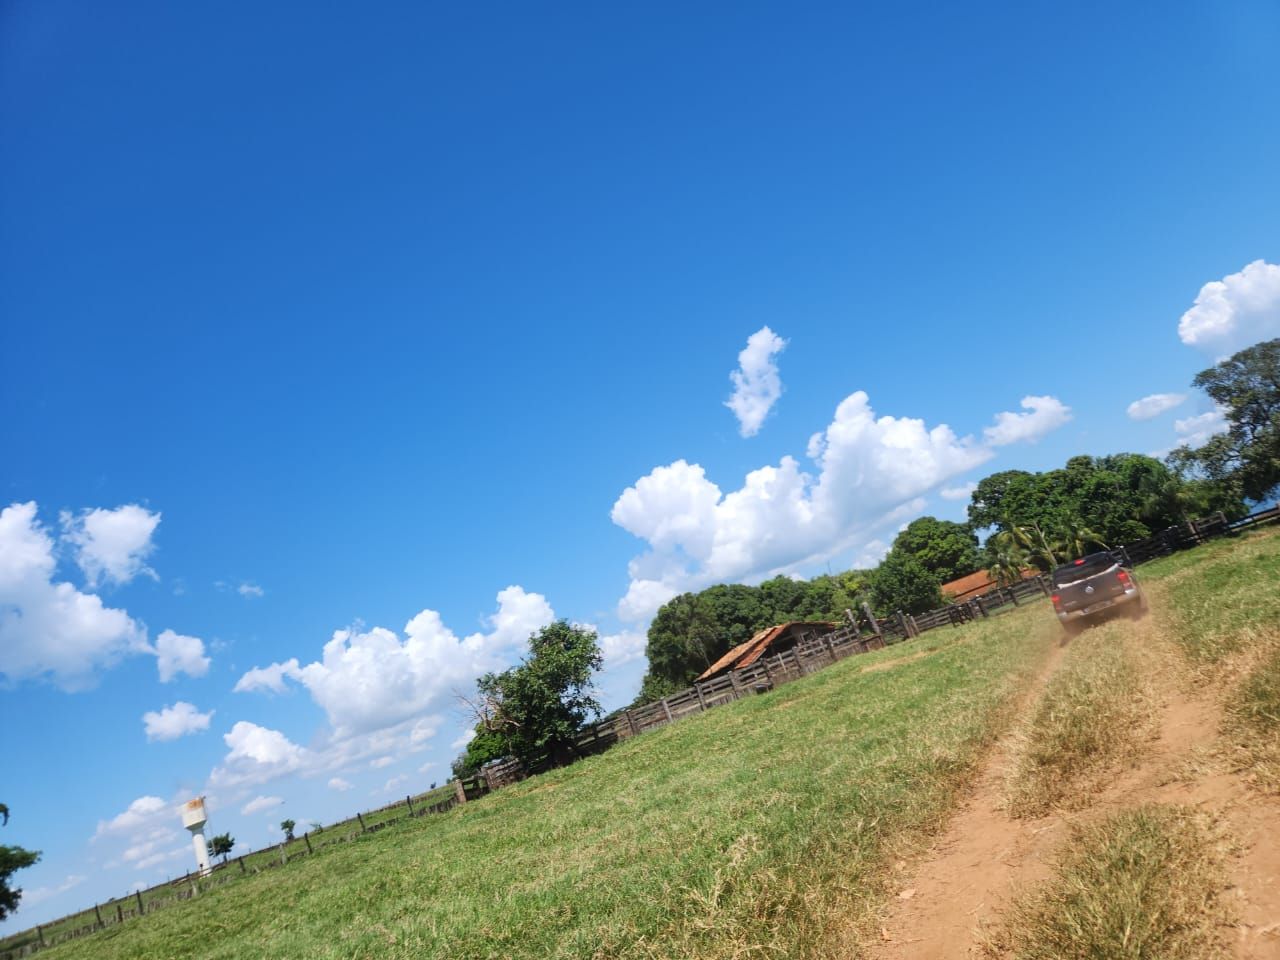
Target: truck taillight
{"points": [[1057, 600], [1123, 577]]}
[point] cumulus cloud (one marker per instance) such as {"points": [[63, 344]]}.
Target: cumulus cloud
{"points": [[170, 723], [256, 755], [1043, 416], [177, 654], [250, 590], [962, 492], [337, 783], [260, 803], [463, 739], [1196, 431], [379, 762], [869, 471], [756, 384], [622, 647], [1154, 405], [269, 678], [111, 546], [143, 812], [49, 628], [371, 679], [1234, 312]]}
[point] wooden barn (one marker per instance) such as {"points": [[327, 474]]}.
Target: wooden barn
{"points": [[776, 639]]}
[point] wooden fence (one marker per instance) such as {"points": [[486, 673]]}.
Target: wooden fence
{"points": [[814, 651]]}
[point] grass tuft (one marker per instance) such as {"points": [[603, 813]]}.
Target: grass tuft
{"points": [[1253, 717], [1095, 710], [1140, 884]]}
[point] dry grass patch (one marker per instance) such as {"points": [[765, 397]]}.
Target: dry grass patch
{"points": [[1253, 715], [1138, 885], [1097, 709]]}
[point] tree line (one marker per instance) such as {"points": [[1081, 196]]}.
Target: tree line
{"points": [[1030, 520]]}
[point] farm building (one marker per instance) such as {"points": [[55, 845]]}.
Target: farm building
{"points": [[974, 584], [776, 639]]}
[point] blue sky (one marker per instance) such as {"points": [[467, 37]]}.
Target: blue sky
{"points": [[369, 311]]}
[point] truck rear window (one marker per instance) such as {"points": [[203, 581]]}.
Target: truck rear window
{"points": [[1081, 569]]}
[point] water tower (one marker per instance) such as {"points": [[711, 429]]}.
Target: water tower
{"points": [[193, 818]]}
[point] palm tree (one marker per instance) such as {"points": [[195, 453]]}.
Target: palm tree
{"points": [[1075, 540], [1008, 560]]}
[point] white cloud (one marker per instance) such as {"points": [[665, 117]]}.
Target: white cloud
{"points": [[260, 803], [622, 647], [870, 471], [337, 783], [1154, 405], [39, 894], [372, 679], [257, 754], [47, 627], [250, 590], [426, 766], [756, 384], [962, 492], [1045, 414], [176, 721], [463, 739], [145, 811], [394, 782], [1234, 312], [269, 678], [379, 762], [112, 545], [177, 654], [1196, 431]]}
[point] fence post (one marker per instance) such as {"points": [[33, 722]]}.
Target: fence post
{"points": [[764, 662], [243, 868], [631, 722], [409, 801], [99, 915], [461, 792], [871, 619], [283, 858], [666, 709], [831, 647], [306, 837], [119, 913], [40, 936], [141, 908], [702, 701], [902, 624], [733, 682], [1013, 597]]}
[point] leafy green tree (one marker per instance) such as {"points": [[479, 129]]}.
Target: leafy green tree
{"points": [[485, 747], [287, 826], [947, 550], [221, 845], [902, 583], [536, 708], [12, 859], [1246, 388]]}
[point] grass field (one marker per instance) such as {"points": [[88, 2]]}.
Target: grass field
{"points": [[760, 829]]}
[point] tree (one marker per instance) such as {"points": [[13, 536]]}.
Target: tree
{"points": [[287, 826], [533, 710], [947, 550], [1007, 561], [220, 846], [1246, 388], [902, 583], [12, 859]]}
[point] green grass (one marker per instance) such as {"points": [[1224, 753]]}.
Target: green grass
{"points": [[1139, 885], [759, 829], [159, 897], [1095, 710], [1217, 597]]}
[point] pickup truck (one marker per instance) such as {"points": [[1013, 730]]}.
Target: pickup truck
{"points": [[1094, 587]]}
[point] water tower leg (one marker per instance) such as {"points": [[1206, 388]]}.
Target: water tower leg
{"points": [[202, 851]]}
